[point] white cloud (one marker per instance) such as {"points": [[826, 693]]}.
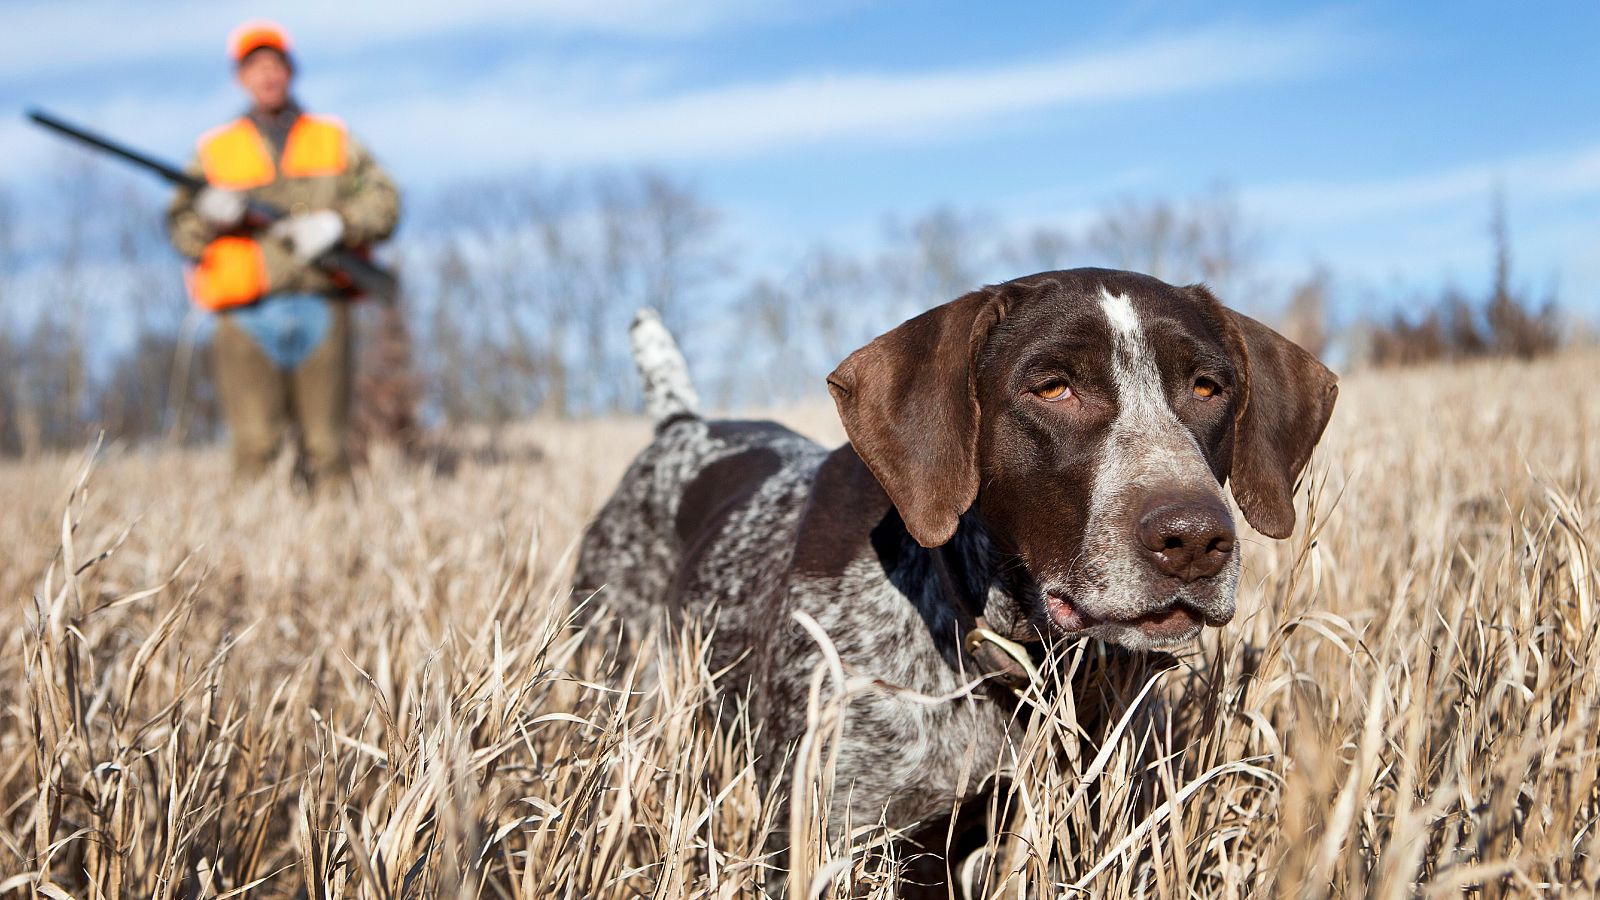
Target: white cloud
{"points": [[48, 37], [546, 112], [1432, 226], [1318, 203], [511, 122]]}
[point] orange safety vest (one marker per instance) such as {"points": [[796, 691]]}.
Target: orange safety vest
{"points": [[231, 270]]}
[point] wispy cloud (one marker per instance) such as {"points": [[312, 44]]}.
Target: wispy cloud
{"points": [[49, 37], [1538, 176], [1427, 226], [529, 112], [527, 122]]}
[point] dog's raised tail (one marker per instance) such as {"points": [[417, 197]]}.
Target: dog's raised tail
{"points": [[668, 392]]}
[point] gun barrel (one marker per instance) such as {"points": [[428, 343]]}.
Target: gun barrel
{"points": [[84, 136]]}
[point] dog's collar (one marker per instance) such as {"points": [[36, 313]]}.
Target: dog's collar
{"points": [[1003, 659]]}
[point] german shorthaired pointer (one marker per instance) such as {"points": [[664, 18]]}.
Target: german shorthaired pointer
{"points": [[1041, 458]]}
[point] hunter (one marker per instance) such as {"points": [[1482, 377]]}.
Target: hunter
{"points": [[282, 352]]}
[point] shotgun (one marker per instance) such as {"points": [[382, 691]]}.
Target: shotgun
{"points": [[364, 275]]}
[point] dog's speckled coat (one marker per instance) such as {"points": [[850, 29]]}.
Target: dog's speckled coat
{"points": [[1001, 501]]}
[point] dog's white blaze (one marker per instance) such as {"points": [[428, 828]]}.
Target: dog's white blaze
{"points": [[1146, 439], [1119, 312], [1133, 369], [1145, 445]]}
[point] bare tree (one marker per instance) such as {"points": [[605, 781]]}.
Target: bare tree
{"points": [[1515, 326], [530, 283], [677, 228], [1207, 240], [831, 289], [772, 366], [1043, 249], [1305, 319], [1454, 327], [10, 356], [1144, 236], [935, 257]]}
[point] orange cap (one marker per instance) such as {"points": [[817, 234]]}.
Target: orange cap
{"points": [[254, 35]]}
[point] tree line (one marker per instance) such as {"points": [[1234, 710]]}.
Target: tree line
{"points": [[518, 292], [1504, 320]]}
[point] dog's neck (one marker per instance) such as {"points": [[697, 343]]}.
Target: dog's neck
{"points": [[955, 586]]}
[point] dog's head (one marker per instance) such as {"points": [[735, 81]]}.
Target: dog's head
{"points": [[1091, 418]]}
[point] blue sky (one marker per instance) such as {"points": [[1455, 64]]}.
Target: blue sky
{"points": [[1365, 136]]}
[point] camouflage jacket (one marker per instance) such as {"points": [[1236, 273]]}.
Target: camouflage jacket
{"points": [[362, 193]]}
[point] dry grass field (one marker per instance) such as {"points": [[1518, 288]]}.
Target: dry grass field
{"points": [[213, 692]]}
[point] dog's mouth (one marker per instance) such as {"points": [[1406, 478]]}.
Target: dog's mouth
{"points": [[1172, 624]]}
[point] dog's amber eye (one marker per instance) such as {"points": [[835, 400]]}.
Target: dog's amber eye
{"points": [[1055, 390], [1204, 388]]}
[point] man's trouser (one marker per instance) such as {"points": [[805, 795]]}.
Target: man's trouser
{"points": [[286, 360]]}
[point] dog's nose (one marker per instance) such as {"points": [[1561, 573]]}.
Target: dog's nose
{"points": [[1188, 539]]}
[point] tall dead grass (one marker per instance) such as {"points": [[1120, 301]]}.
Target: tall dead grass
{"points": [[215, 692]]}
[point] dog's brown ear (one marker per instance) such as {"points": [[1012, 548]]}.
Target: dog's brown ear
{"points": [[1285, 398], [910, 407]]}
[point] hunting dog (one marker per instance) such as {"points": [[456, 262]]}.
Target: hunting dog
{"points": [[1043, 458]]}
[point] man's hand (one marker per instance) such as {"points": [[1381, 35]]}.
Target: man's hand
{"points": [[222, 209], [309, 235]]}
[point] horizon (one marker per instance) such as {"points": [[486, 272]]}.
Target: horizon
{"points": [[1359, 138]]}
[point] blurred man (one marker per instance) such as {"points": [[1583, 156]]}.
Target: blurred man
{"points": [[282, 351]]}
